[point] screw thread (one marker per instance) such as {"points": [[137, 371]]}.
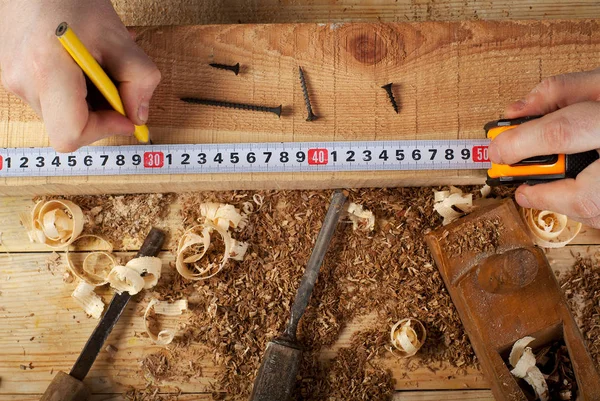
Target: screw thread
{"points": [[311, 115], [388, 89], [231, 105]]}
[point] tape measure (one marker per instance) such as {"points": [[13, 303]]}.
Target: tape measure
{"points": [[277, 157]]}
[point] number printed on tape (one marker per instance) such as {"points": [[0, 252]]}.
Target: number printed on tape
{"points": [[247, 158]]}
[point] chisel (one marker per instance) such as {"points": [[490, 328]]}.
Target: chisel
{"points": [[276, 376], [70, 387]]}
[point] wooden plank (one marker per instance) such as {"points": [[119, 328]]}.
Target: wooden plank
{"points": [[47, 329], [119, 397], [149, 12], [451, 78], [456, 395], [468, 395]]}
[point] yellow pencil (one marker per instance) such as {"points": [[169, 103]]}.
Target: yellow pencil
{"points": [[96, 74]]}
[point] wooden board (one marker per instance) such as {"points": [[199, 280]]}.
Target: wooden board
{"points": [[470, 395], [450, 79], [151, 12]]}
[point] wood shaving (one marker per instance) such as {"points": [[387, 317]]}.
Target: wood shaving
{"points": [[55, 223], [138, 274], [89, 301], [189, 256], [96, 265], [53, 262], [166, 336], [408, 336], [361, 219], [524, 363], [581, 286], [452, 204], [474, 237], [549, 229]]}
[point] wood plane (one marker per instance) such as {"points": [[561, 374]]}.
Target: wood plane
{"points": [[505, 292]]}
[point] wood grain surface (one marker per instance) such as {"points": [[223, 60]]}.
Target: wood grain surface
{"points": [[450, 78], [172, 12]]}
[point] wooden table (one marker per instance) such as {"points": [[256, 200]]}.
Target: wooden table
{"points": [[41, 325]]}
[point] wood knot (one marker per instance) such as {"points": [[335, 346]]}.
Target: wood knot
{"points": [[367, 48]]}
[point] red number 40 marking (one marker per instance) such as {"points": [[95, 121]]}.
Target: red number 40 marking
{"points": [[318, 156]]}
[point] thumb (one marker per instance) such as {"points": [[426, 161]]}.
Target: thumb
{"points": [[136, 75], [577, 198]]}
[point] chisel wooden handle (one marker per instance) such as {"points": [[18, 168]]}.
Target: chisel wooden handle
{"points": [[65, 388]]}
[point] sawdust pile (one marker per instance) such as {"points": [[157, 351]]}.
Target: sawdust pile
{"points": [[123, 220], [477, 237], [582, 289], [387, 272]]}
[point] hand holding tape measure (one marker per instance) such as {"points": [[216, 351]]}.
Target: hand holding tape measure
{"points": [[569, 129]]}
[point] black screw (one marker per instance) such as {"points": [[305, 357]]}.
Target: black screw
{"points": [[388, 89], [218, 103], [311, 116], [234, 68]]}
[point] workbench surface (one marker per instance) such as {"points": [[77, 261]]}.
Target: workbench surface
{"points": [[42, 330]]}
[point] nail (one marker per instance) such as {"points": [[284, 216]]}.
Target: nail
{"points": [[522, 200], [143, 112]]}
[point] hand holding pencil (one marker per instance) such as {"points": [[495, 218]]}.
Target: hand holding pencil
{"points": [[35, 67]]}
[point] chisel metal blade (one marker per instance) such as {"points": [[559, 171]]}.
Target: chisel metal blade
{"points": [[151, 247]]}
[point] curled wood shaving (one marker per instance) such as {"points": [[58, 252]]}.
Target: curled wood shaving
{"points": [[517, 350], [549, 229], [363, 219], [176, 308], [406, 339], [138, 274], [147, 267], [221, 215], [85, 297], [56, 223], [233, 249], [523, 361], [93, 271], [452, 204]]}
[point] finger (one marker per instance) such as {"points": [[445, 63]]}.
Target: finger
{"points": [[136, 74], [577, 198], [574, 129], [556, 92], [64, 109]]}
